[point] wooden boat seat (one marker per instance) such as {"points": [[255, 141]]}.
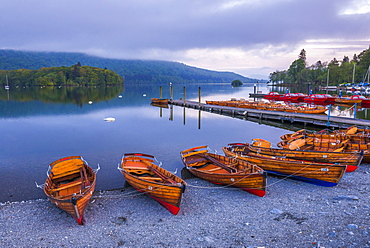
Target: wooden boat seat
{"points": [[67, 185], [66, 167], [135, 168], [151, 178], [194, 153], [67, 173]]}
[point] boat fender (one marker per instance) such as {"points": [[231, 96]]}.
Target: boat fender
{"points": [[183, 187]]}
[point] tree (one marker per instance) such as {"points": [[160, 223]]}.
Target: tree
{"points": [[345, 59], [355, 58], [363, 65], [334, 71], [278, 76], [302, 55], [295, 69]]}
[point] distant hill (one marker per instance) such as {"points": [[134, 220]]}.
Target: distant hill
{"points": [[133, 71]]}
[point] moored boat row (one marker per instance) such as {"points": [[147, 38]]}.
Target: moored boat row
{"points": [[323, 174], [319, 99], [70, 183], [344, 142], [270, 106]]}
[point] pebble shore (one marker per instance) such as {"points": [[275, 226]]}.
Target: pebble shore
{"points": [[291, 214]]}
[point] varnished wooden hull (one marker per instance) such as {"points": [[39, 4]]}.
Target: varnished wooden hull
{"points": [[348, 146], [159, 101], [316, 111], [70, 196], [134, 168], [360, 138], [160, 105], [247, 176], [348, 101], [352, 160], [323, 174]]}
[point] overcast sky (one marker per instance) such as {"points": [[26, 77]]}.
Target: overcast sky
{"points": [[250, 37]]}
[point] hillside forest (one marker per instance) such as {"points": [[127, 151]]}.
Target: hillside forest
{"points": [[335, 72], [76, 75], [133, 71]]}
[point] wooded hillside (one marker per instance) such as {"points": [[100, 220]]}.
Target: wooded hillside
{"points": [[133, 71]]}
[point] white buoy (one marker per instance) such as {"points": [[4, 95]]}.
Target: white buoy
{"points": [[119, 96], [90, 102], [109, 119], [144, 94]]}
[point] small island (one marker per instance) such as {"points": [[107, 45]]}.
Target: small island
{"points": [[75, 75], [236, 83]]}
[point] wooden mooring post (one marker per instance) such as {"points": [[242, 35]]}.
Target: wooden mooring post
{"points": [[171, 91], [199, 92]]}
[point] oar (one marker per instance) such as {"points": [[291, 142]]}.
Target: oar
{"points": [[161, 175], [218, 163]]}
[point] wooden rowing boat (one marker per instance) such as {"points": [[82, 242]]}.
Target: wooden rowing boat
{"points": [[70, 185], [306, 110], [160, 105], [159, 100], [358, 138], [347, 100], [352, 130], [352, 160], [317, 144], [143, 173], [222, 170], [323, 174]]}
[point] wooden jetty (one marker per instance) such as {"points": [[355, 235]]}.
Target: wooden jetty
{"points": [[284, 117]]}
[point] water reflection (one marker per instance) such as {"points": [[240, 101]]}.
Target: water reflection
{"points": [[75, 95]]}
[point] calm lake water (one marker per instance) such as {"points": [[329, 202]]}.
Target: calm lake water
{"points": [[40, 126]]}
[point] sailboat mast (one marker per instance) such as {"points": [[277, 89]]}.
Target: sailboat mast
{"points": [[7, 83], [327, 81]]}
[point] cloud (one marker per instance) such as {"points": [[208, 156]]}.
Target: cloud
{"points": [[187, 31]]}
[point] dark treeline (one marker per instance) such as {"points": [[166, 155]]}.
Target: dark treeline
{"points": [[335, 72], [133, 71], [75, 75]]}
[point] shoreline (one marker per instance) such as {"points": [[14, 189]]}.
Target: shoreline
{"points": [[291, 214]]}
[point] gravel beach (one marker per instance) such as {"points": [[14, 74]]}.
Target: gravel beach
{"points": [[292, 214]]}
